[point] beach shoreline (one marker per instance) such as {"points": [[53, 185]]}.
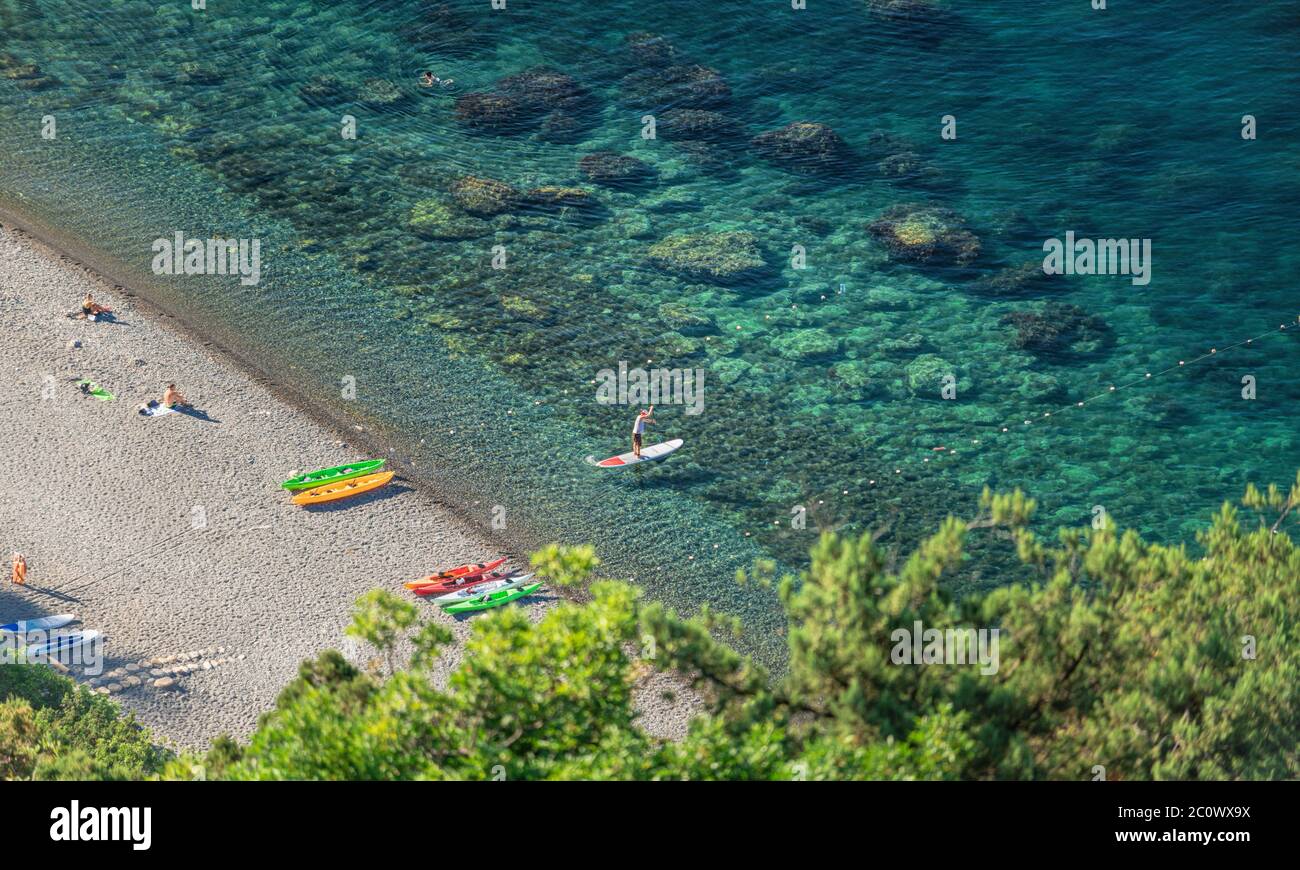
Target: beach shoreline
{"points": [[104, 504]]}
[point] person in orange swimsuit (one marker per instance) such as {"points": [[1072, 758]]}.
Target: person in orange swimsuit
{"points": [[19, 572]]}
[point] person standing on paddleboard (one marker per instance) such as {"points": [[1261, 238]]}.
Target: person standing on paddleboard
{"points": [[638, 429]]}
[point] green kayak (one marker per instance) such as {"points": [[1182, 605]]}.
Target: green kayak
{"points": [[495, 599], [90, 388], [334, 475]]}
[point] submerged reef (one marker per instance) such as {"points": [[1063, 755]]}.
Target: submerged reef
{"points": [[718, 257], [484, 197], [615, 170], [925, 234], [804, 146], [1058, 327]]}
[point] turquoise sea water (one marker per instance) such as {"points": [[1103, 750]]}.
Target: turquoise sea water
{"points": [[820, 382]]}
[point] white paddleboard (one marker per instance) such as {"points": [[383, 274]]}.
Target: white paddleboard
{"points": [[62, 643], [648, 454], [45, 623]]}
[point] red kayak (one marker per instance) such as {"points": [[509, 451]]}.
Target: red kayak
{"points": [[446, 586], [462, 572]]}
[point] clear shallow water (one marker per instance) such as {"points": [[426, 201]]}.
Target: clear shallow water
{"points": [[1121, 123]]}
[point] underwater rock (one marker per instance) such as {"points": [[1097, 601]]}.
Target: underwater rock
{"points": [[248, 172], [710, 157], [857, 378], [632, 226], [542, 89], [818, 226], [615, 170], [919, 14], [492, 112], [899, 160], [562, 128], [323, 90], [717, 257], [686, 320], [903, 344], [806, 344], [927, 373], [446, 30], [435, 219], [673, 203], [1057, 327], [674, 346], [906, 167], [925, 234], [1038, 387], [697, 124], [686, 86], [484, 196], [379, 93], [558, 197], [194, 73], [804, 146], [729, 370], [12, 67], [38, 83], [1019, 280], [523, 308], [650, 49]]}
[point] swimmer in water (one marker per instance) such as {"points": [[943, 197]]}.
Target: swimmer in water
{"points": [[429, 80]]}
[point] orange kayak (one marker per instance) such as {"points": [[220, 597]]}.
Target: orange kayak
{"points": [[343, 489], [460, 573]]}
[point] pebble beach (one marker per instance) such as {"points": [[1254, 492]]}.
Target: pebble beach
{"points": [[171, 535]]}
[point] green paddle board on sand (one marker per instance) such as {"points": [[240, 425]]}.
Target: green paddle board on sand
{"points": [[495, 599], [93, 389], [334, 475]]}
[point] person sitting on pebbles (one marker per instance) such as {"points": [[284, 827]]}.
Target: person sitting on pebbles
{"points": [[91, 308], [173, 397]]}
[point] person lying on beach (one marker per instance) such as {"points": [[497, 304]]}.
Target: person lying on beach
{"points": [[172, 397], [18, 572], [89, 307], [638, 429]]}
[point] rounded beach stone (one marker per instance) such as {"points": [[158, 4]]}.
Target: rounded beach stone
{"points": [[114, 687], [164, 683]]}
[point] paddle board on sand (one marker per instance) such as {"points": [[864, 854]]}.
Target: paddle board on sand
{"points": [[648, 454], [44, 623], [60, 644]]}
